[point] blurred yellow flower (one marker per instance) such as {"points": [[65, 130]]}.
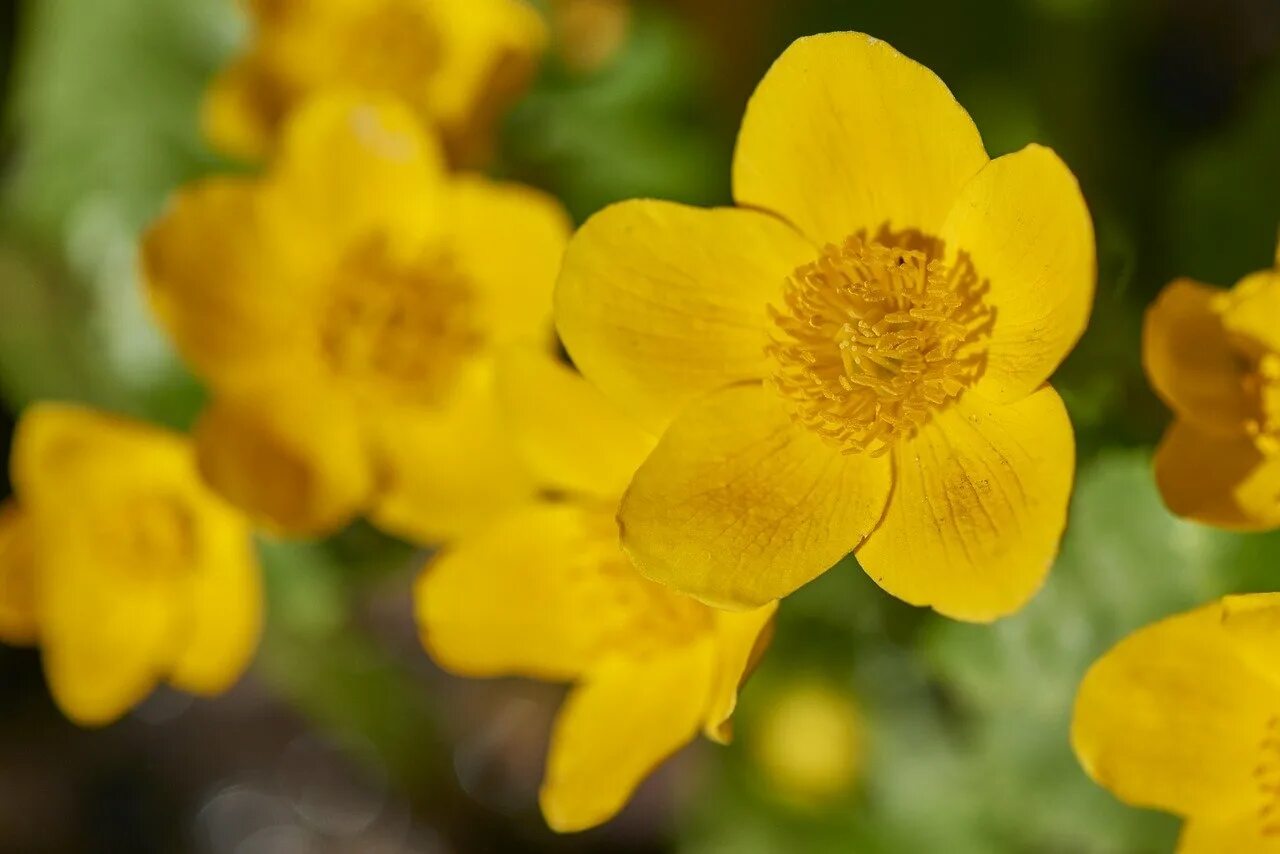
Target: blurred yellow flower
{"points": [[1184, 715], [855, 357], [346, 310], [589, 33], [810, 743], [122, 565], [546, 592], [1214, 357], [456, 63]]}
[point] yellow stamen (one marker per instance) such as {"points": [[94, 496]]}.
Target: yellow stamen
{"points": [[872, 340]]}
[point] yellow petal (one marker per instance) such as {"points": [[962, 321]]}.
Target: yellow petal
{"points": [[741, 640], [1218, 480], [241, 110], [978, 508], [1189, 359], [1250, 311], [220, 602], [358, 168], [18, 623], [509, 599], [447, 472], [1253, 622], [507, 241], [214, 279], [659, 303], [1173, 717], [294, 461], [845, 134], [569, 434], [616, 727], [1247, 833], [738, 506], [493, 52], [1024, 226]]}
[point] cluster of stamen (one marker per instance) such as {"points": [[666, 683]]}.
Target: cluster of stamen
{"points": [[871, 340], [151, 536], [636, 616], [1262, 385], [398, 330]]}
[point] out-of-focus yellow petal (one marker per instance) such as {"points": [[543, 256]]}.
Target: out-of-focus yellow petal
{"points": [[845, 134], [447, 472], [1173, 717], [659, 303], [1247, 833], [616, 727], [215, 280], [1223, 481], [219, 603], [241, 110], [1253, 622], [508, 241], [1189, 359], [1024, 226], [18, 622], [355, 168], [1250, 309], [741, 638], [493, 48], [978, 508], [297, 462], [571, 436], [515, 597], [739, 506]]}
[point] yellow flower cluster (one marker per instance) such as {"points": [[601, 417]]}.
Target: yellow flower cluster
{"points": [[853, 359]]}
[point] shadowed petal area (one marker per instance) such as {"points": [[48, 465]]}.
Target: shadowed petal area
{"points": [[619, 724], [1024, 226], [571, 436], [1173, 717], [739, 506], [741, 639], [844, 133], [659, 303], [18, 618], [979, 506], [511, 599], [1223, 481], [1189, 359]]}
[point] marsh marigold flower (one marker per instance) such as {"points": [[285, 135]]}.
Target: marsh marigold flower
{"points": [[1214, 357], [810, 743], [855, 357], [456, 63], [1184, 716], [345, 311], [121, 564], [546, 592]]}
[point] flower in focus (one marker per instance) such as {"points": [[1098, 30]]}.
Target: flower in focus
{"points": [[546, 592], [456, 63], [810, 743], [1214, 357], [854, 358], [346, 310], [121, 564], [1184, 715]]}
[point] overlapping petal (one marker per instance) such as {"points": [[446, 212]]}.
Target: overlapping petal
{"points": [[741, 638], [979, 506], [659, 303], [845, 134], [739, 506]]}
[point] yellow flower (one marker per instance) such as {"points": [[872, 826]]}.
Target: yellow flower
{"points": [[456, 63], [546, 592], [346, 310], [855, 357], [122, 565], [1214, 357], [1184, 715], [810, 743]]}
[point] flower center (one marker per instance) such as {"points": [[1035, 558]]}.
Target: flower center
{"points": [[398, 331], [872, 340], [392, 46], [148, 537], [636, 616], [1262, 385]]}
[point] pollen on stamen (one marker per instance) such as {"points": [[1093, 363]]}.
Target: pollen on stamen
{"points": [[872, 340]]}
